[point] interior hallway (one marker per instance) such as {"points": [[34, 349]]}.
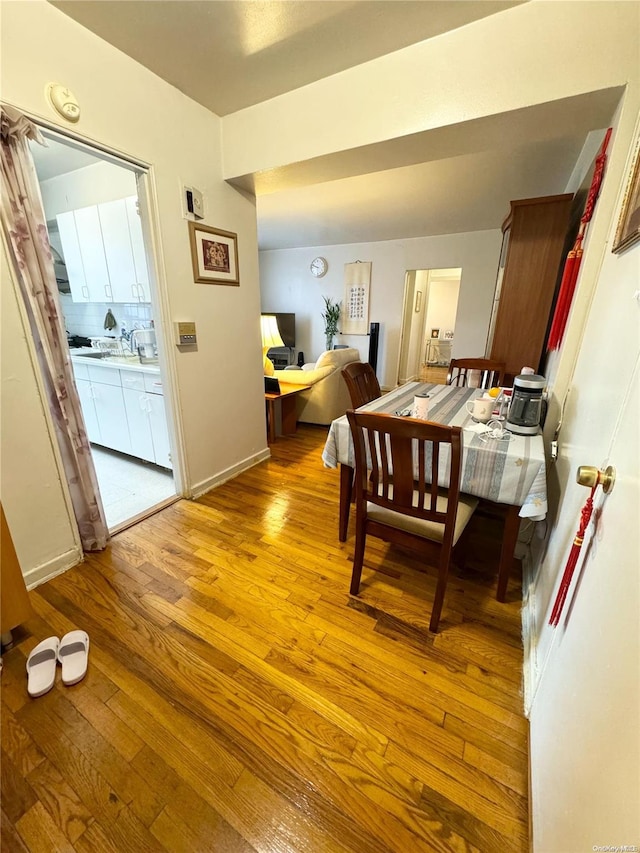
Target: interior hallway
{"points": [[238, 699]]}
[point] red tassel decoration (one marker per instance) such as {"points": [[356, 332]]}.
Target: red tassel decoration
{"points": [[585, 518], [574, 258]]}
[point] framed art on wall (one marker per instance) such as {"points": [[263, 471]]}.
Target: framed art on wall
{"points": [[214, 255], [628, 231]]}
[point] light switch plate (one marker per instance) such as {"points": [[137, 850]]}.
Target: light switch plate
{"points": [[185, 334]]}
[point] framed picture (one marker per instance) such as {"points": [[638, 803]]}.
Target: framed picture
{"points": [[448, 335], [628, 231], [435, 333], [214, 255]]}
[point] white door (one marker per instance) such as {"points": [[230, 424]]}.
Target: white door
{"points": [[585, 732]]}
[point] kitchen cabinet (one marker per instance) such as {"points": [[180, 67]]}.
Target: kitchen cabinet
{"points": [[73, 257], [112, 417], [104, 251], [88, 410], [124, 410], [534, 235]]}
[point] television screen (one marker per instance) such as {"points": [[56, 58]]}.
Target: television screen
{"points": [[287, 327]]}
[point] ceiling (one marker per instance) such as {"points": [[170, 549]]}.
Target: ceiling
{"points": [[450, 180]]}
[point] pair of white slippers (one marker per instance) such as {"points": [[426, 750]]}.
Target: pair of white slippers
{"points": [[72, 652]]}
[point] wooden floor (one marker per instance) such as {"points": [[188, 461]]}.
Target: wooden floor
{"points": [[237, 699]]}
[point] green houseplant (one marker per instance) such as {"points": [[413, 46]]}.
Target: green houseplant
{"points": [[330, 315]]}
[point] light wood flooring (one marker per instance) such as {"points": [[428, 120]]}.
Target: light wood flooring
{"points": [[238, 699]]}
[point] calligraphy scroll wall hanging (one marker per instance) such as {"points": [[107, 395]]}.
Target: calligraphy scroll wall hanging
{"points": [[354, 319]]}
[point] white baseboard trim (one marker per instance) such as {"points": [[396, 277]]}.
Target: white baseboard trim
{"points": [[529, 634], [40, 574], [199, 489]]}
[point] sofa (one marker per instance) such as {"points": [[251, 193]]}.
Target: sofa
{"points": [[327, 398]]}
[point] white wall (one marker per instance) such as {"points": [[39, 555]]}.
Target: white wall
{"points": [[127, 108], [94, 184], [287, 285], [442, 306]]}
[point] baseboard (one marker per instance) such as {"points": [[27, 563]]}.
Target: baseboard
{"points": [[205, 486], [529, 634], [40, 574]]}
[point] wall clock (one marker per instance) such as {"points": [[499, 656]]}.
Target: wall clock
{"points": [[63, 101], [319, 266]]}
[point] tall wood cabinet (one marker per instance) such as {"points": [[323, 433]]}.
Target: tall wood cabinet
{"points": [[533, 242]]}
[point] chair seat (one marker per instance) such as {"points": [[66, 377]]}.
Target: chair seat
{"points": [[421, 527]]}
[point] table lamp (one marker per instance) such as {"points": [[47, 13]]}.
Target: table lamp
{"points": [[270, 338]]}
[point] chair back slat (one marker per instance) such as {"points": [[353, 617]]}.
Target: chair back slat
{"points": [[462, 372], [362, 383], [398, 464]]}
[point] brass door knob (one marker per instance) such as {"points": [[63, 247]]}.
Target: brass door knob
{"points": [[590, 476]]}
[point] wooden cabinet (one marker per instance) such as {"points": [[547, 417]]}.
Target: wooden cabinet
{"points": [[104, 252], [534, 235], [15, 604]]}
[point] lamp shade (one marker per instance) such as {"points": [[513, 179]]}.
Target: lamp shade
{"points": [[270, 332], [270, 338]]}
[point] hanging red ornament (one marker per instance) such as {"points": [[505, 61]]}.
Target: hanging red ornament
{"points": [[585, 518]]}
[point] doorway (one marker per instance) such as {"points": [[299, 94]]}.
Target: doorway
{"points": [[91, 204], [428, 324]]}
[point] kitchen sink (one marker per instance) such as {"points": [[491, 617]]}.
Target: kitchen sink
{"points": [[96, 354]]}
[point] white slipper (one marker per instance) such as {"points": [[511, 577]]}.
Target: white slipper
{"points": [[73, 654], [41, 667]]}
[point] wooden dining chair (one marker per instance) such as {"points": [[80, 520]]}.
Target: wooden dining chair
{"points": [[362, 383], [464, 373], [392, 504]]}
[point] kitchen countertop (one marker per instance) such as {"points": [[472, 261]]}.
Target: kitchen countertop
{"points": [[131, 362]]}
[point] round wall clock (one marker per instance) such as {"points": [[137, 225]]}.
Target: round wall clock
{"points": [[319, 266]]}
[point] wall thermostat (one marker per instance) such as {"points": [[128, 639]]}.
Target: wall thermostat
{"points": [[193, 203], [185, 334]]}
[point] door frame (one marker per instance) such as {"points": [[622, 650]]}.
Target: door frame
{"points": [[148, 205]]}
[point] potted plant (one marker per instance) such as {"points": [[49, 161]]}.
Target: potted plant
{"points": [[330, 315]]}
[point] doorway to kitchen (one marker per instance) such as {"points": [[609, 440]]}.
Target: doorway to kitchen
{"points": [[91, 204], [428, 324]]}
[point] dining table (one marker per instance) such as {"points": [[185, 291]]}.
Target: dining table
{"points": [[497, 465]]}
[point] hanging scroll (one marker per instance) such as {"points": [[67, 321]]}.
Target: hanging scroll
{"points": [[355, 307]]}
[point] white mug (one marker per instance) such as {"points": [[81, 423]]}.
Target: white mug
{"points": [[481, 409]]}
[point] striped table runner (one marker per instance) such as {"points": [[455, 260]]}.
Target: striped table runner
{"points": [[509, 472]]}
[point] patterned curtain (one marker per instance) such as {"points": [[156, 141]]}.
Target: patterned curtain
{"points": [[25, 229]]}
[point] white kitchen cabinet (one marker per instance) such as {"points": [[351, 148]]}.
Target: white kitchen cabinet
{"points": [[137, 247], [104, 252], [93, 257], [159, 431], [89, 410], [137, 406], [112, 416], [73, 257], [118, 250]]}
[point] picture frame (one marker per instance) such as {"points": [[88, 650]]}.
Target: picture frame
{"points": [[435, 333], [214, 255], [448, 335], [628, 230]]}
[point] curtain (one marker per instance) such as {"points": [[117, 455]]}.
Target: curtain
{"points": [[25, 229]]}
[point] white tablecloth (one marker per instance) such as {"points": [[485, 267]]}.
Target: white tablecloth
{"points": [[509, 472]]}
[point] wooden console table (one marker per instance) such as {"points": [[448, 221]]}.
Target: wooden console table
{"points": [[288, 411]]}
